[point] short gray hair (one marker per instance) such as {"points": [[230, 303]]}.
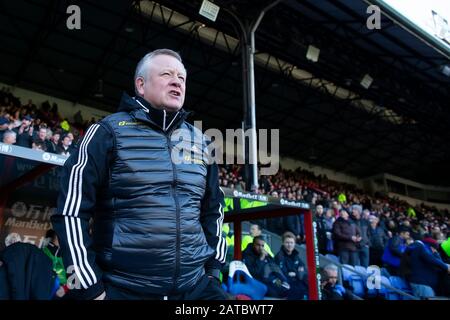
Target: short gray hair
{"points": [[142, 66], [10, 133], [331, 267]]}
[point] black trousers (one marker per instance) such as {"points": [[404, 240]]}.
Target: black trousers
{"points": [[206, 289]]}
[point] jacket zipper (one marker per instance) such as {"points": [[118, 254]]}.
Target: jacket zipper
{"points": [[177, 206]]}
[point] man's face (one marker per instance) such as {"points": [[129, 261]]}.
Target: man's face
{"points": [[404, 235], [289, 245], [254, 230], [319, 210], [26, 123], [42, 133], [356, 214], [165, 85], [258, 246], [332, 277], [55, 138], [67, 141], [344, 214]]}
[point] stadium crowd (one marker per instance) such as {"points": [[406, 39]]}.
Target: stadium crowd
{"points": [[362, 230], [40, 128]]}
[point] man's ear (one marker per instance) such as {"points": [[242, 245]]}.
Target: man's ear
{"points": [[139, 85]]}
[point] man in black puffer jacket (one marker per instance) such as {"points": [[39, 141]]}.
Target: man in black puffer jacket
{"points": [[145, 177]]}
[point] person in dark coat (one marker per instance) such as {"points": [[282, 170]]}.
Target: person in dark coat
{"points": [[294, 224], [346, 235], [426, 267], [29, 272], [263, 268], [321, 230], [394, 249], [331, 290], [377, 241], [293, 268], [362, 252], [155, 200]]}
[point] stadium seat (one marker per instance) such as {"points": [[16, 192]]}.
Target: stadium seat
{"points": [[357, 284], [385, 273], [332, 257], [240, 282], [384, 291], [362, 272], [347, 271], [401, 284]]}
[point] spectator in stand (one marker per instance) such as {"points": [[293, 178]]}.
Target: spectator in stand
{"points": [[444, 252], [329, 221], [321, 230], [54, 142], [39, 145], [255, 231], [263, 268], [394, 250], [64, 147], [293, 268], [4, 124], [426, 267], [336, 207], [416, 232], [41, 137], [294, 224], [25, 132], [377, 241], [366, 215], [362, 253], [346, 235], [9, 137], [331, 290]]}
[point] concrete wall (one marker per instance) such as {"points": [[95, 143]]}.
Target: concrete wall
{"points": [[289, 163], [414, 202]]}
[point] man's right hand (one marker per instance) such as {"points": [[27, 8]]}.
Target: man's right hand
{"points": [[263, 255]]}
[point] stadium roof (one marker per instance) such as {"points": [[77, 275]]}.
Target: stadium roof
{"points": [[398, 125]]}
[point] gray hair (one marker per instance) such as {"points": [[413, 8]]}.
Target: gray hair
{"points": [[330, 267], [9, 133], [142, 66]]}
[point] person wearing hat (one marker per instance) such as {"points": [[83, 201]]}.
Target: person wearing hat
{"points": [[25, 132], [426, 267]]}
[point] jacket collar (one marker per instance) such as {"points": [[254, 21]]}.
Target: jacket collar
{"points": [[142, 110]]}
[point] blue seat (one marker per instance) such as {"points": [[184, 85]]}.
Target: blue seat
{"points": [[385, 273], [347, 271], [362, 272], [401, 284], [358, 285], [242, 283], [332, 257], [384, 291]]}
